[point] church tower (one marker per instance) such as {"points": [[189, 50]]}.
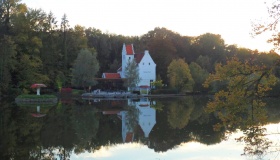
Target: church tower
{"points": [[127, 55]]}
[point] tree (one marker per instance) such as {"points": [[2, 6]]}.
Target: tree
{"points": [[7, 53], [7, 8], [240, 106], [29, 71], [246, 84], [157, 84], [199, 76], [204, 62], [270, 24], [179, 75], [85, 68], [211, 45], [64, 29], [132, 74]]}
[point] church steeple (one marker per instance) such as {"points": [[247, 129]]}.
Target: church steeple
{"points": [[127, 54]]}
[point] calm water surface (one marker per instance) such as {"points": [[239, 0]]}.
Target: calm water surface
{"points": [[147, 128]]}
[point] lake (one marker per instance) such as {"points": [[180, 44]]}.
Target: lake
{"points": [[164, 128]]}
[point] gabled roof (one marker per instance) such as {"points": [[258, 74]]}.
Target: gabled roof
{"points": [[138, 57], [111, 75], [129, 49]]}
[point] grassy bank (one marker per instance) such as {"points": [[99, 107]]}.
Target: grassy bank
{"points": [[31, 96]]}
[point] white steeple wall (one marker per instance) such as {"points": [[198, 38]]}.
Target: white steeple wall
{"points": [[147, 116], [147, 69]]}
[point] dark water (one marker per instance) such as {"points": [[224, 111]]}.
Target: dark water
{"points": [[147, 128]]}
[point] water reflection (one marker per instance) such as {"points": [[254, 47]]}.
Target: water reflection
{"points": [[38, 114], [138, 113], [72, 128], [246, 115]]}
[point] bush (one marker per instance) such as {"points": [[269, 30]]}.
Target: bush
{"points": [[165, 91], [36, 96], [77, 91]]}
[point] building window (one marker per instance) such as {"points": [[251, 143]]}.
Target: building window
{"points": [[128, 57], [149, 63], [143, 63]]}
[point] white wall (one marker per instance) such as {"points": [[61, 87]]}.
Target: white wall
{"points": [[147, 70]]}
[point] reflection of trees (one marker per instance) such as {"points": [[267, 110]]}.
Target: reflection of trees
{"points": [[199, 127], [157, 105], [65, 127], [198, 112], [163, 137], [255, 140], [58, 132], [81, 127], [86, 125], [132, 117], [204, 132], [19, 136], [179, 112], [108, 132]]}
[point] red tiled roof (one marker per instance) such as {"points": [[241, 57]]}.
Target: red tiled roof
{"points": [[112, 75], [138, 57], [145, 86], [129, 49]]}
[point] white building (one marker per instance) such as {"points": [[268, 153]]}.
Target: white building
{"points": [[146, 66]]}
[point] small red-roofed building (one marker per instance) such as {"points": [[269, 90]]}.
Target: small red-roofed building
{"points": [[111, 75]]}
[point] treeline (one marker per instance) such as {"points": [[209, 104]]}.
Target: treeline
{"points": [[35, 48]]}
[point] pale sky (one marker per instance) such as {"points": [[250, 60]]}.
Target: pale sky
{"points": [[229, 18]]}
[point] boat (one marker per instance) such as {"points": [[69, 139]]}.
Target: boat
{"points": [[109, 94]]}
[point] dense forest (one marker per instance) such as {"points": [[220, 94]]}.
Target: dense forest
{"points": [[35, 48]]}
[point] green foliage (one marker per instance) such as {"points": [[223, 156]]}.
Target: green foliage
{"points": [[240, 105], [180, 112], [246, 84], [199, 75], [36, 96], [7, 62], [29, 68], [85, 68], [204, 62], [165, 91], [179, 75], [131, 74], [77, 92], [157, 84]]}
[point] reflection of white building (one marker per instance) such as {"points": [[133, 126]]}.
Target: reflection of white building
{"points": [[147, 116], [146, 119]]}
